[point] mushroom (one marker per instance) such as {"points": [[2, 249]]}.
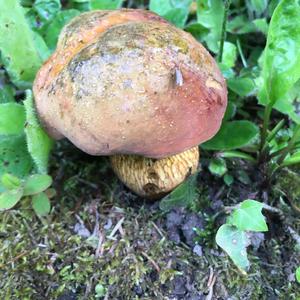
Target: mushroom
{"points": [[128, 84]]}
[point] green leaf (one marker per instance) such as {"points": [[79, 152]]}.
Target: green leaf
{"points": [[298, 274], [230, 111], [292, 160], [55, 27], [249, 217], [236, 154], [47, 9], [17, 46], [229, 55], [240, 25], [38, 142], [232, 135], [210, 15], [181, 196], [14, 157], [41, 204], [6, 94], [106, 4], [258, 6], [261, 25], [243, 86], [12, 118], [281, 65], [175, 11], [10, 198], [36, 184], [10, 181], [217, 166], [197, 30], [234, 242]]}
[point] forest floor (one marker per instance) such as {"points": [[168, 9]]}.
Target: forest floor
{"points": [[103, 242]]}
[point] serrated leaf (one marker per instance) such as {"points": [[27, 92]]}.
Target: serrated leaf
{"points": [[232, 135], [12, 118], [41, 204], [36, 184], [10, 182], [10, 198], [14, 157], [38, 142], [181, 196], [17, 46], [234, 242], [249, 216]]}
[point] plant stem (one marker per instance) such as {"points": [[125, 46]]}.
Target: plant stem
{"points": [[290, 145], [223, 33], [267, 115], [241, 53]]}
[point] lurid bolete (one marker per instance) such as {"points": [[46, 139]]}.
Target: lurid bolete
{"points": [[128, 84]]}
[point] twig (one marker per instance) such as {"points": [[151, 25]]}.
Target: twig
{"points": [[116, 228], [294, 235], [158, 230], [210, 284], [14, 259], [155, 265], [99, 250]]}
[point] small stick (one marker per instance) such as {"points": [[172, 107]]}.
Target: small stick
{"points": [[155, 265]]}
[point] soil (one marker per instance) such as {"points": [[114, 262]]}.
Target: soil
{"points": [[103, 242]]}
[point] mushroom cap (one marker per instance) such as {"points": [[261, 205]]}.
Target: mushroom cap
{"points": [[128, 82]]}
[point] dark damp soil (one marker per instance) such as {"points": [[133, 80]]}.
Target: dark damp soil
{"points": [[103, 242]]}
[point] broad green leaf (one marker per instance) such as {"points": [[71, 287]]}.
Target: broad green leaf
{"points": [[292, 160], [229, 55], [249, 217], [10, 198], [217, 166], [47, 9], [17, 46], [210, 15], [38, 142], [6, 94], [197, 30], [281, 65], [12, 118], [243, 86], [258, 6], [41, 46], [37, 183], [55, 27], [175, 11], [230, 111], [10, 181], [14, 157], [261, 25], [240, 25], [232, 135], [106, 4], [182, 196], [298, 274], [41, 204], [234, 242]]}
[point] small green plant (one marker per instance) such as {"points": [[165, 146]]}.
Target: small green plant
{"points": [[298, 274], [36, 187], [232, 236]]}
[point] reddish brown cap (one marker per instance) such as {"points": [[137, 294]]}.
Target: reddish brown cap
{"points": [[128, 82]]}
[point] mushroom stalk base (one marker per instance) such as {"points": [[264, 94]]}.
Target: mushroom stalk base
{"points": [[153, 178]]}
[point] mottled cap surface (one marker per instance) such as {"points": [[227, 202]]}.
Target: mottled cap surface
{"points": [[128, 82]]}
